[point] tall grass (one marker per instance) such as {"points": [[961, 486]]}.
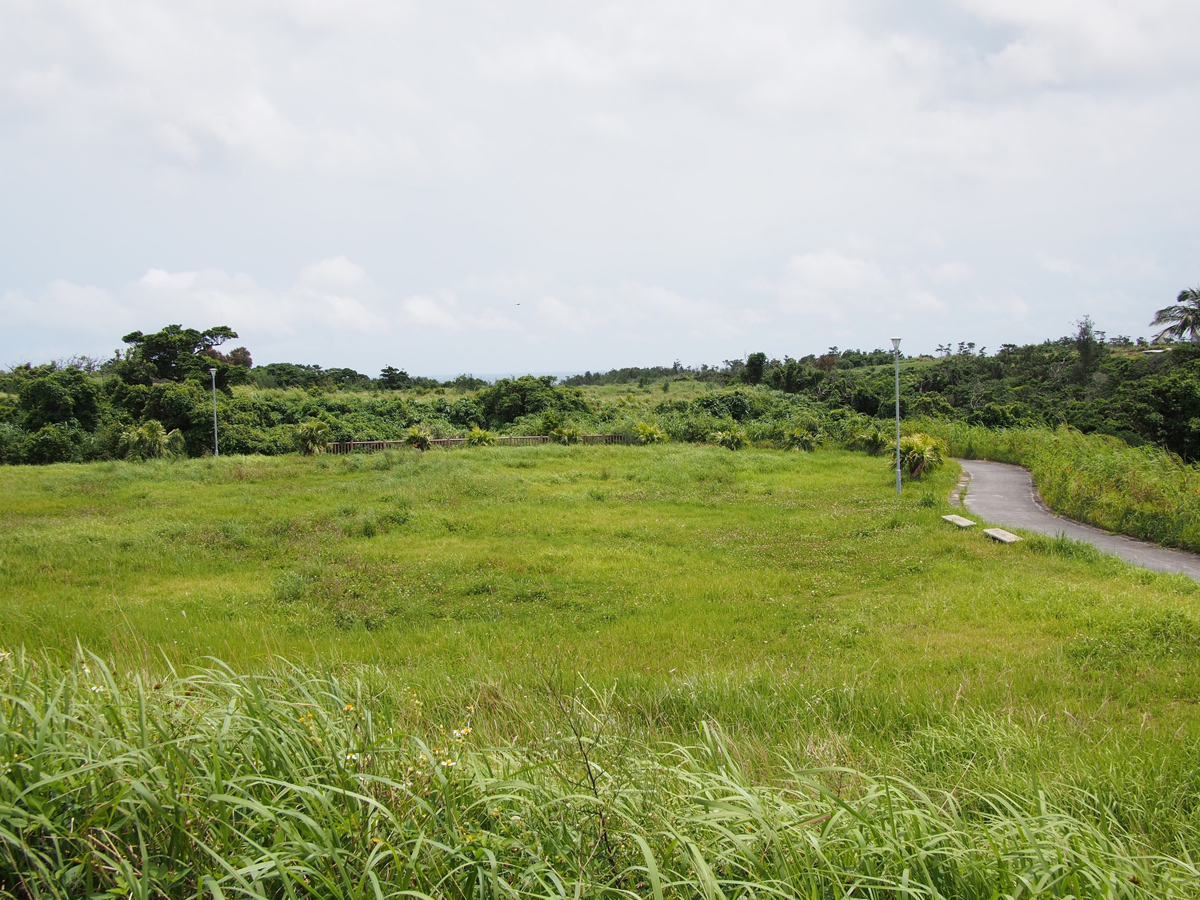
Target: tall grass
{"points": [[288, 784], [1145, 491]]}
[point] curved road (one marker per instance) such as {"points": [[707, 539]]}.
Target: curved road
{"points": [[1005, 495]]}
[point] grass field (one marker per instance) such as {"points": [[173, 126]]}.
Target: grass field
{"points": [[789, 600]]}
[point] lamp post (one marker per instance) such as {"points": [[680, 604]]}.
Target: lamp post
{"points": [[217, 451], [896, 353]]}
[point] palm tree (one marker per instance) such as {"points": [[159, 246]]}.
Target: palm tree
{"points": [[1182, 318]]}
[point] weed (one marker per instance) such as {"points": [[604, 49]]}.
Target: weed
{"points": [[288, 587]]}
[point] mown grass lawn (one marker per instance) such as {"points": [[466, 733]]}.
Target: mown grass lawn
{"points": [[789, 598]]}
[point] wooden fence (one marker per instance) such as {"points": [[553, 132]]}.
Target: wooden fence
{"points": [[504, 440]]}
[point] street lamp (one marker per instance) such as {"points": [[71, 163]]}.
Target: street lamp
{"points": [[217, 451], [896, 353]]}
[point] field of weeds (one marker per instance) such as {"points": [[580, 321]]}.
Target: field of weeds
{"points": [[684, 671]]}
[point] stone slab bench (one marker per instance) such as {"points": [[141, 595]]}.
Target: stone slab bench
{"points": [[999, 534], [960, 521]]}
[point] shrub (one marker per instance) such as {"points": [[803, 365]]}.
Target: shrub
{"points": [[480, 437], [871, 440], [312, 437], [11, 439], [649, 433], [416, 436], [151, 441], [565, 434], [733, 439], [920, 453], [800, 439], [49, 444]]}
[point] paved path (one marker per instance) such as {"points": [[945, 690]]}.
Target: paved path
{"points": [[1005, 495]]}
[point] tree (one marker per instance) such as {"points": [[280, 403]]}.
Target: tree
{"points": [[59, 398], [1087, 345], [1182, 318], [756, 363], [393, 379], [173, 353]]}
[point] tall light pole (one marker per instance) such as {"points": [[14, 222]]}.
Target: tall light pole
{"points": [[217, 451], [896, 353]]}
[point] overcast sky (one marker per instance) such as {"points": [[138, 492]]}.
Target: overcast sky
{"points": [[554, 186]]}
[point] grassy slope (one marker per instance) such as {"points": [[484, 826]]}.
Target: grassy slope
{"points": [[789, 597]]}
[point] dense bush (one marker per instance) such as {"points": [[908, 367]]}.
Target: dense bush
{"points": [[511, 398]]}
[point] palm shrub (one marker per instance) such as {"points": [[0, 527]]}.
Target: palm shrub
{"points": [[151, 441], [649, 433], [871, 440], [565, 434], [418, 437], [920, 453], [480, 437], [312, 437], [731, 439], [800, 439]]}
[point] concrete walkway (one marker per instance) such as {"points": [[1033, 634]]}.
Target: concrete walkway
{"points": [[1005, 495]]}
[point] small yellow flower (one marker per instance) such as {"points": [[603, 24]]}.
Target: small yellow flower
{"points": [[351, 757], [349, 707]]}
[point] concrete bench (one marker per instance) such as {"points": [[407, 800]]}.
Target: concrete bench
{"points": [[999, 534], [960, 521]]}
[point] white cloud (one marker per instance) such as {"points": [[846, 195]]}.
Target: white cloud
{"points": [[1060, 266], [78, 308], [830, 285], [833, 287], [332, 295], [622, 170], [608, 126]]}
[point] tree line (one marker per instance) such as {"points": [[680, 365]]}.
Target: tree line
{"points": [[153, 397]]}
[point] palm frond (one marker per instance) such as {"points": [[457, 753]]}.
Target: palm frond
{"points": [[1182, 318]]}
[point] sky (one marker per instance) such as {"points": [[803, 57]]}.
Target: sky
{"points": [[556, 186]]}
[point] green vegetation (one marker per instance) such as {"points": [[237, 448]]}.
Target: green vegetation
{"points": [[919, 454], [290, 785], [965, 715], [80, 410]]}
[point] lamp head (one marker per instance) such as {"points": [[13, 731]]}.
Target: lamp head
{"points": [[895, 345], [212, 372]]}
